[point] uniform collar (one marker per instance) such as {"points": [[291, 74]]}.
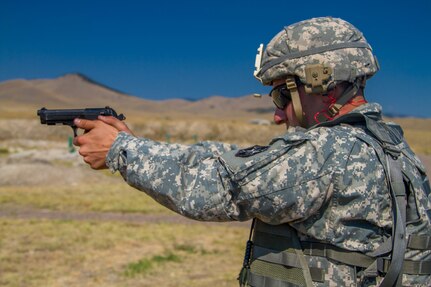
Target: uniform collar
{"points": [[368, 108]]}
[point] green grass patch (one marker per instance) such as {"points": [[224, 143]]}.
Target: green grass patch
{"points": [[144, 265], [186, 248]]}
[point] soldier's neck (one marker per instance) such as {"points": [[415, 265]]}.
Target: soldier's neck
{"points": [[355, 102]]}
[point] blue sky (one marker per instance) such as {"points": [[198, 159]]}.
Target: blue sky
{"points": [[196, 49]]}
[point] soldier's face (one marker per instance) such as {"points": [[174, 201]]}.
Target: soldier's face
{"points": [[286, 115]]}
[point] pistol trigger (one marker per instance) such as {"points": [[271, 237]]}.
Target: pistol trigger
{"points": [[75, 131]]}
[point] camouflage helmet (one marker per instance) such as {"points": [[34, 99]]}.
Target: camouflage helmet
{"points": [[326, 48]]}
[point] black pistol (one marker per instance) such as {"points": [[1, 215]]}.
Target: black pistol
{"points": [[66, 116]]}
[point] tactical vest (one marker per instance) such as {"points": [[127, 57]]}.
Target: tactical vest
{"points": [[275, 257]]}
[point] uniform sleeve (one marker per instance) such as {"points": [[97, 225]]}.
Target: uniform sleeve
{"points": [[286, 181], [183, 178]]}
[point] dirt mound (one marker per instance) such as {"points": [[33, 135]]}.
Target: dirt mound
{"points": [[48, 166]]}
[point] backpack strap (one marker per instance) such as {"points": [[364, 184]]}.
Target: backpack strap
{"points": [[399, 243], [388, 138]]}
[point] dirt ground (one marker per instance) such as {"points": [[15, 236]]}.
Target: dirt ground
{"points": [[34, 162]]}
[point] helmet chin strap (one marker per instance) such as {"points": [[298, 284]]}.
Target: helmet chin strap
{"points": [[296, 100]]}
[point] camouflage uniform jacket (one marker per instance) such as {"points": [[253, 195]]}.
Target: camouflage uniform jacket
{"points": [[326, 182]]}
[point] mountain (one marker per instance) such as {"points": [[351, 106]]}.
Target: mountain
{"points": [[21, 97], [68, 91]]}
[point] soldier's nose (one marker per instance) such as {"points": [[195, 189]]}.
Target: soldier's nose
{"points": [[279, 116]]}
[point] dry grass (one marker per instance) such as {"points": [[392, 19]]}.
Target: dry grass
{"points": [[68, 253], [54, 252], [420, 141], [417, 133], [189, 130], [186, 129]]}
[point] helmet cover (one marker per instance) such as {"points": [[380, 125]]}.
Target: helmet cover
{"points": [[330, 42]]}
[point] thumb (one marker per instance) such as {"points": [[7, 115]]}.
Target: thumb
{"points": [[84, 124], [116, 123]]}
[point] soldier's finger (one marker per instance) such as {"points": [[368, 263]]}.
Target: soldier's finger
{"points": [[112, 121], [116, 123], [86, 159], [84, 124], [82, 152], [94, 163], [79, 140]]}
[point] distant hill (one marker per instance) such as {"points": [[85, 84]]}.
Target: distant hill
{"points": [[21, 97]]}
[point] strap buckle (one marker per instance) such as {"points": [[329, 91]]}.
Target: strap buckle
{"points": [[376, 268], [334, 109], [391, 150], [291, 84]]}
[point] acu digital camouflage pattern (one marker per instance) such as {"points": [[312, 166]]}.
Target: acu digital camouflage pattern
{"points": [[347, 63], [327, 183]]}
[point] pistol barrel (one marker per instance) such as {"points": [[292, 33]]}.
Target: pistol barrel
{"points": [[66, 116]]}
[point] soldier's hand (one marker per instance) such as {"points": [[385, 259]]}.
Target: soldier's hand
{"points": [[98, 138], [116, 123]]}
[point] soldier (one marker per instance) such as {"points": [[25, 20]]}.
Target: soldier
{"points": [[339, 200]]}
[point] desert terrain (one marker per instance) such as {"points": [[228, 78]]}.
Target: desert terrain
{"points": [[64, 224]]}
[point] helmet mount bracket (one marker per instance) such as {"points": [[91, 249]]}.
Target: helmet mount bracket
{"points": [[317, 78]]}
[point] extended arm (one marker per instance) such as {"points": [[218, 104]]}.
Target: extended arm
{"points": [[183, 178], [208, 181]]}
